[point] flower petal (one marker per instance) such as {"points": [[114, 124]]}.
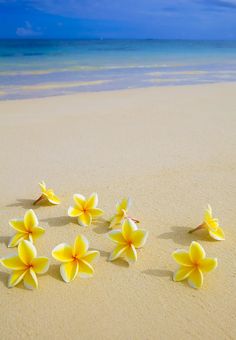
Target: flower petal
{"points": [[43, 186], [13, 262], [54, 199], [117, 237], [195, 279], [85, 219], [85, 269], [69, 270], [116, 220], [182, 257], [196, 252], [128, 227], [210, 222], [30, 279], [81, 246], [37, 232], [74, 211], [40, 265], [218, 234], [124, 204], [117, 252], [131, 254], [208, 213], [18, 225], [16, 277], [79, 200], [91, 256], [92, 201], [17, 238], [26, 251], [63, 252], [95, 212], [182, 273], [30, 220], [209, 264], [139, 238]]}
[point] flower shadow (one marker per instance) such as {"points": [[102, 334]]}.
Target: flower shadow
{"points": [[22, 202], [5, 240], [54, 271], [28, 204], [158, 273], [4, 278], [103, 253], [101, 226], [58, 221], [180, 235], [120, 262]]}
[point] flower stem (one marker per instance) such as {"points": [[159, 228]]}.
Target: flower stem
{"points": [[38, 200], [201, 226], [134, 219], [131, 218]]}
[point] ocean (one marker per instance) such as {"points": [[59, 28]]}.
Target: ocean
{"points": [[40, 68]]}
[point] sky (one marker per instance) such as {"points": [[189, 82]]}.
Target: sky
{"points": [[118, 19]]}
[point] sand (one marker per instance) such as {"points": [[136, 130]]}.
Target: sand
{"points": [[172, 150]]}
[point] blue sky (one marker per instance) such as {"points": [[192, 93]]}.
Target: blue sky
{"points": [[95, 19]]}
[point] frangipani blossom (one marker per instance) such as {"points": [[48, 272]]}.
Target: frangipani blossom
{"points": [[85, 209], [128, 240], [25, 266], [27, 229], [122, 208], [47, 194], [193, 264], [75, 259], [212, 225]]}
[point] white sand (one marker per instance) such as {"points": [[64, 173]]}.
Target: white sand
{"points": [[172, 150]]}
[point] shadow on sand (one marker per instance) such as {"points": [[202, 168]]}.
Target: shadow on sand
{"points": [[158, 273], [180, 236], [4, 278], [5, 240], [28, 204], [54, 271], [101, 226], [59, 221]]}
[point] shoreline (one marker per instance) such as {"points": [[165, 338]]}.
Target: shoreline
{"points": [[144, 88]]}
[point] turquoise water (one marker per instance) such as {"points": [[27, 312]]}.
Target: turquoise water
{"points": [[38, 68]]}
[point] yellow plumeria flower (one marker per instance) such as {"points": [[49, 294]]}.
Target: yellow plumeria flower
{"points": [[27, 229], [75, 259], [25, 266], [47, 194], [212, 225], [193, 264], [85, 210], [128, 240], [122, 208]]}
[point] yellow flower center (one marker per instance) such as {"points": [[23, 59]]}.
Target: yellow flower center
{"points": [[196, 265]]}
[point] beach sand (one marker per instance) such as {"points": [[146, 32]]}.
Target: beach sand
{"points": [[172, 150]]}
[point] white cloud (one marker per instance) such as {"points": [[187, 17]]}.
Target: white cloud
{"points": [[28, 31]]}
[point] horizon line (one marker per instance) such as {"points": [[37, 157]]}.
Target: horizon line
{"points": [[115, 39]]}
